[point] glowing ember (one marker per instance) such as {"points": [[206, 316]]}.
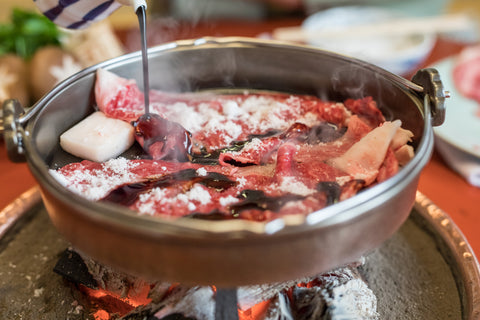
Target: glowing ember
{"points": [[258, 311], [109, 303], [101, 315]]}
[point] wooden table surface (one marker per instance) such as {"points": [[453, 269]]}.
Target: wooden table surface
{"points": [[438, 182]]}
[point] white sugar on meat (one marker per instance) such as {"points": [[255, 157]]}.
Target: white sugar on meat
{"points": [[293, 186], [118, 166], [230, 131], [191, 118], [264, 113], [182, 113], [95, 184], [202, 172], [253, 145], [231, 109], [197, 193], [147, 202], [241, 181], [60, 178], [255, 113], [146, 208], [228, 200], [310, 119]]}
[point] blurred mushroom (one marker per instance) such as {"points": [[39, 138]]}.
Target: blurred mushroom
{"points": [[13, 79], [49, 66]]}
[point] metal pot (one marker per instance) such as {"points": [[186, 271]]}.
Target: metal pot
{"points": [[231, 253]]}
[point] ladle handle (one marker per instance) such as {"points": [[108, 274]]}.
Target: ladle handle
{"points": [[134, 3]]}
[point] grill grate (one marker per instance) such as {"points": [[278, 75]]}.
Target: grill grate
{"points": [[226, 304]]}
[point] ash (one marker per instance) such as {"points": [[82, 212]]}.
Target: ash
{"points": [[340, 294]]}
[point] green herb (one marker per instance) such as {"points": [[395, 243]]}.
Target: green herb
{"points": [[27, 32]]}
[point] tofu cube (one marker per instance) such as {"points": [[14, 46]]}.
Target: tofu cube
{"points": [[98, 138]]}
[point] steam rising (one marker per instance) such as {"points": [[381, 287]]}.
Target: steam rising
{"points": [[357, 81]]}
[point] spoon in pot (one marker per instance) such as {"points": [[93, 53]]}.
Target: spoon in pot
{"points": [[142, 21], [140, 7]]}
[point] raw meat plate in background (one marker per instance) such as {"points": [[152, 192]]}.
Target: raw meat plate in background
{"points": [[461, 128]]}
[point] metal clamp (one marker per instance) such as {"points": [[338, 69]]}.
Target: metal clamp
{"points": [[12, 130], [429, 79]]}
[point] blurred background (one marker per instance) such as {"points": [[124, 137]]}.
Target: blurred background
{"points": [[254, 9]]}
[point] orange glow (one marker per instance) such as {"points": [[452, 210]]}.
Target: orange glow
{"points": [[97, 294], [310, 284], [101, 315], [109, 303], [256, 312], [139, 300]]}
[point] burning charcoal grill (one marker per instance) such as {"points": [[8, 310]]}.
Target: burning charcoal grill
{"points": [[310, 298], [438, 277], [73, 268]]}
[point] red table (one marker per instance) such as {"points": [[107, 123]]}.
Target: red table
{"points": [[438, 182]]}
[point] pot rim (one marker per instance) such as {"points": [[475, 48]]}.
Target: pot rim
{"points": [[130, 221]]}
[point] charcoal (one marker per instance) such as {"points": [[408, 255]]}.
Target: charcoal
{"points": [[71, 266], [280, 308], [164, 307], [308, 303], [145, 312], [175, 316], [338, 295], [196, 302], [159, 291], [148, 316], [337, 277], [185, 303], [118, 283], [341, 294], [248, 296]]}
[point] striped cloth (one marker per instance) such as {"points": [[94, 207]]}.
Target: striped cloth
{"points": [[76, 14]]}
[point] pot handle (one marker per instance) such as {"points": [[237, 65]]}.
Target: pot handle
{"points": [[429, 79], [12, 130]]}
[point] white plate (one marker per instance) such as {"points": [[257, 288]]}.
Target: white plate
{"points": [[400, 54], [462, 121]]}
